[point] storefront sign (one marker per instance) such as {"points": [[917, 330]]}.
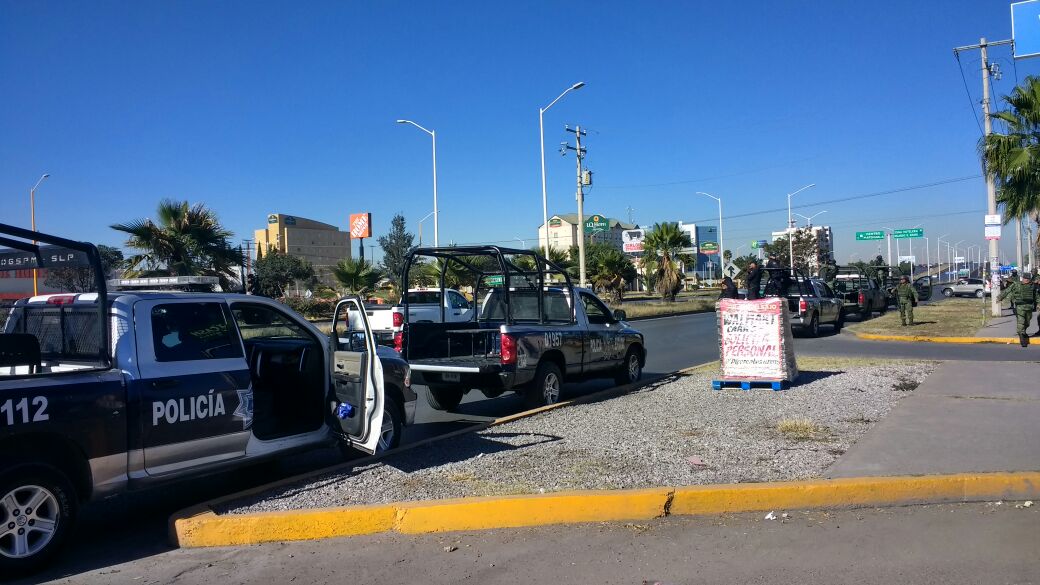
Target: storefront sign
{"points": [[756, 340]]}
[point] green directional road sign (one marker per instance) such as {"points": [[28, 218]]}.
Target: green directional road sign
{"points": [[596, 224], [870, 236], [494, 280], [910, 233]]}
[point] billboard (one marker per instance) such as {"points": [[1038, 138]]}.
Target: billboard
{"points": [[360, 225], [596, 224], [709, 248], [632, 240]]}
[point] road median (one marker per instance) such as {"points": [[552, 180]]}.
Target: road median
{"points": [[201, 527]]}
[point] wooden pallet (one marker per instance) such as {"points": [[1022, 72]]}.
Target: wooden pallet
{"points": [[749, 384]]}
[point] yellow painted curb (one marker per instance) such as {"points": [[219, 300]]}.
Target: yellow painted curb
{"points": [[200, 527], [876, 337]]}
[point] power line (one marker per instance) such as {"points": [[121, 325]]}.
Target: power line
{"points": [[964, 79], [688, 181]]}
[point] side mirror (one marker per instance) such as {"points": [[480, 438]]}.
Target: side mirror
{"points": [[620, 315]]}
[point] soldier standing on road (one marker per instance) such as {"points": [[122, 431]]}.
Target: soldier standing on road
{"points": [[1036, 291], [906, 296], [1023, 296], [754, 281]]}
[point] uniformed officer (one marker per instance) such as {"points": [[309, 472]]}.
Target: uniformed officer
{"points": [[1023, 295], [1036, 288], [906, 296]]}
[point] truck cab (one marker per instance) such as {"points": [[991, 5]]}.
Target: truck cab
{"points": [[102, 393]]}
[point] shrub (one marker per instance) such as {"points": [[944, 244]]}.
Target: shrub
{"points": [[312, 308]]}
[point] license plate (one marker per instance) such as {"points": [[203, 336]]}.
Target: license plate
{"points": [[450, 377]]}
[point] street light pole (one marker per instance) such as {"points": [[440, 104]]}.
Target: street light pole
{"points": [[938, 254], [420, 225], [32, 218], [790, 224], [433, 135], [541, 142], [808, 218], [722, 247], [956, 253]]}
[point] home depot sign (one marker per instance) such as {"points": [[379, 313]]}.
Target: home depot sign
{"points": [[360, 225]]}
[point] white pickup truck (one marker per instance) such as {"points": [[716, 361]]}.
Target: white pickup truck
{"points": [[425, 305]]}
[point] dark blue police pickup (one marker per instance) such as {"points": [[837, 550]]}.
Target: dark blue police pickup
{"points": [[106, 392]]}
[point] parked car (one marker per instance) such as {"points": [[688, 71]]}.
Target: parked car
{"points": [[101, 394], [533, 331], [967, 287], [425, 305], [810, 301], [860, 294]]}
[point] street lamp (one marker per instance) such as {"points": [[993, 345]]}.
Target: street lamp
{"points": [[420, 226], [808, 218], [956, 253], [938, 253], [32, 217], [541, 135], [888, 238], [722, 248], [433, 134], [790, 225], [522, 241]]}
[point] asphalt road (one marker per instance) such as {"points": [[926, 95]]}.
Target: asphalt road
{"points": [[967, 543], [134, 526]]}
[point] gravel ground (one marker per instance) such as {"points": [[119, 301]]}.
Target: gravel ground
{"points": [[671, 433]]}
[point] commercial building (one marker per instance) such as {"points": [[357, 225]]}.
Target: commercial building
{"points": [[708, 258], [562, 232], [824, 241], [321, 244]]}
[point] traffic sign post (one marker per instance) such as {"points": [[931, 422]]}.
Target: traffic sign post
{"points": [[910, 233], [861, 236]]}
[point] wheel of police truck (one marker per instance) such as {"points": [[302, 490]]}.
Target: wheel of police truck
{"points": [[631, 369], [546, 386], [37, 508], [444, 397], [393, 425], [813, 329], [840, 322], [865, 314]]}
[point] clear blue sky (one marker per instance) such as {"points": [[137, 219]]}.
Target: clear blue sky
{"points": [[261, 107]]}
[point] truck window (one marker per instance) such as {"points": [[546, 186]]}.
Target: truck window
{"points": [[192, 331], [424, 297], [258, 321], [595, 309], [457, 301]]}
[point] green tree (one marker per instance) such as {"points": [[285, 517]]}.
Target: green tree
{"points": [[1013, 156], [807, 253], [611, 271], [187, 240], [741, 263], [356, 275], [396, 245], [664, 243], [82, 279], [276, 271]]}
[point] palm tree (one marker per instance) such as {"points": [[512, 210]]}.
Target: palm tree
{"points": [[611, 270], [188, 240], [665, 243], [356, 275], [1014, 156]]}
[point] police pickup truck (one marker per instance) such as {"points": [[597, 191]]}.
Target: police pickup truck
{"points": [[532, 331], [102, 393]]}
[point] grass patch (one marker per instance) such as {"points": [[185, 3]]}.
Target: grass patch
{"points": [[904, 385], [801, 429], [835, 363], [637, 310], [949, 318]]}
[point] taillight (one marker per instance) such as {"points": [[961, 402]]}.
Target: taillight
{"points": [[508, 347], [862, 299], [802, 306], [398, 319], [399, 341], [61, 300]]}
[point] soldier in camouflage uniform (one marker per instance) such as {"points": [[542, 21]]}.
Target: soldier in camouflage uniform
{"points": [[906, 296], [1023, 295], [1036, 287]]}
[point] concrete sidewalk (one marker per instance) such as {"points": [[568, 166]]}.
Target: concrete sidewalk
{"points": [[1003, 326], [965, 417]]}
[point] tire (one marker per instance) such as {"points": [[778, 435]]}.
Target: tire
{"points": [[444, 397], [813, 329], [980, 293], [631, 369], [840, 322], [546, 387], [864, 315], [393, 425], [491, 392], [56, 504], [947, 292]]}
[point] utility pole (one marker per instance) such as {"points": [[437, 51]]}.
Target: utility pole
{"points": [[630, 209], [991, 191], [579, 153]]}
